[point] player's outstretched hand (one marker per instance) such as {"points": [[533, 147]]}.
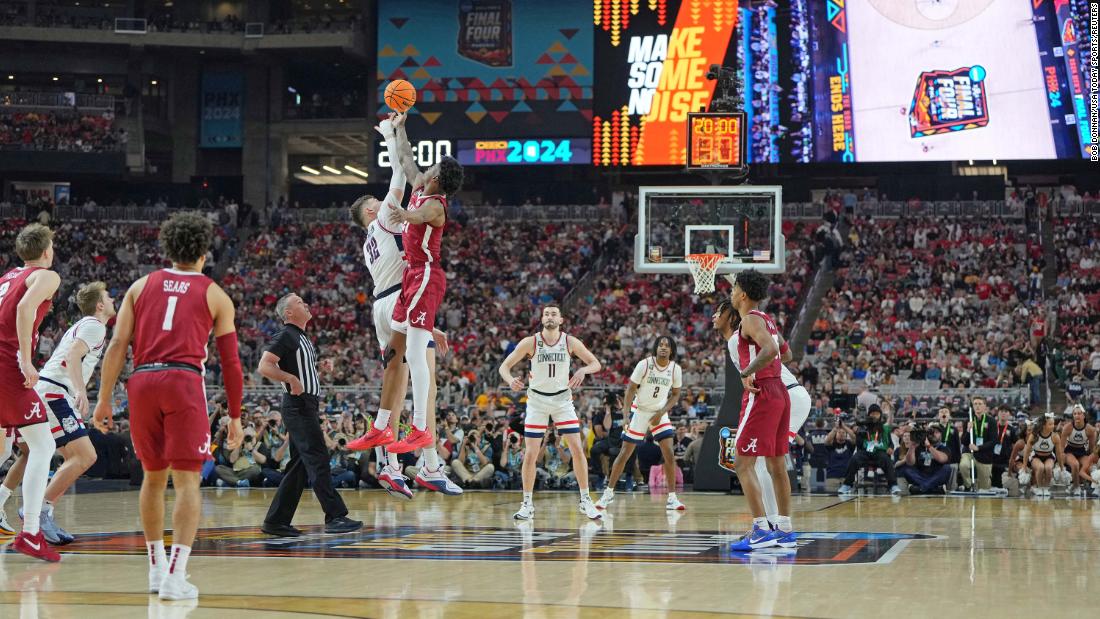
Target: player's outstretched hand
{"points": [[398, 118], [749, 382], [236, 434], [296, 387], [385, 128], [516, 384], [577, 379], [101, 418], [397, 216], [442, 345]]}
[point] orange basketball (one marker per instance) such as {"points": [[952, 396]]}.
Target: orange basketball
{"points": [[400, 95]]}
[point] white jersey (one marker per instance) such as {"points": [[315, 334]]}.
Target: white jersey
{"points": [[550, 364], [784, 373], [655, 383], [383, 252], [91, 332], [1044, 445]]}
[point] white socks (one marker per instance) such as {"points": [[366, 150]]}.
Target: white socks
{"points": [[761, 523], [40, 445], [157, 559], [391, 459], [417, 354], [382, 419], [783, 523], [177, 564], [767, 490], [431, 458], [527, 496]]}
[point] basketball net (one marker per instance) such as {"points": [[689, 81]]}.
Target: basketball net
{"points": [[703, 268]]}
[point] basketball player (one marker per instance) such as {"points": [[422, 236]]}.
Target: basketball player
{"points": [[169, 315], [1043, 449], [384, 255], [423, 285], [656, 381], [765, 413], [62, 385], [550, 397], [1079, 439], [26, 294], [728, 323]]}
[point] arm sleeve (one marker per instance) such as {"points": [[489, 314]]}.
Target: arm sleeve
{"points": [[232, 375], [282, 345], [638, 374], [677, 377]]}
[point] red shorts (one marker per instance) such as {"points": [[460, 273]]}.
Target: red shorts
{"points": [[168, 422], [422, 289], [19, 406], [765, 420]]}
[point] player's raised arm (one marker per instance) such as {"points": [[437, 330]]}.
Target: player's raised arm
{"points": [[225, 336], [405, 151], [398, 176], [41, 285], [430, 212], [591, 363], [115, 356], [525, 348]]}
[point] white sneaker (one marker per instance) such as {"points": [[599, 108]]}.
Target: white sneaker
{"points": [[156, 577], [606, 498], [526, 511], [436, 481], [177, 588], [588, 508], [5, 528], [674, 505]]}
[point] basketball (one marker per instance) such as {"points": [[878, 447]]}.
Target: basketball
{"points": [[400, 95]]}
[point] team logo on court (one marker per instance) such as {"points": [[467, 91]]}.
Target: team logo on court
{"points": [[512, 544]]}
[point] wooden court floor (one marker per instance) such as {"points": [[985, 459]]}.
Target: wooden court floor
{"points": [[437, 557]]}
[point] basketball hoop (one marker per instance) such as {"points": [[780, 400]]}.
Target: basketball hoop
{"points": [[703, 268]]}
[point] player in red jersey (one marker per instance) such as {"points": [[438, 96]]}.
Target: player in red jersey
{"points": [[25, 297], [169, 315], [765, 413], [422, 287]]}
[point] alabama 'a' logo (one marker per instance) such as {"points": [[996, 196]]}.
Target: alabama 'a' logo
{"points": [[36, 412]]}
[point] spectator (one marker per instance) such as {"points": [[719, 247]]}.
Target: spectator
{"points": [[474, 464], [872, 448], [925, 464], [244, 464]]}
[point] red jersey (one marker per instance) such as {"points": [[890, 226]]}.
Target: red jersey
{"points": [[423, 242], [747, 350], [12, 288], [172, 320]]}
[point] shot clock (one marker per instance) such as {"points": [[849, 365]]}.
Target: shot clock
{"points": [[716, 141]]}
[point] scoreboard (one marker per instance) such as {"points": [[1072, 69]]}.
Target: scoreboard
{"points": [[716, 141]]}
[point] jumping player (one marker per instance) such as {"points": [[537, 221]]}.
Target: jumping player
{"points": [[1043, 450], [728, 323], [25, 297], [656, 381], [423, 285], [384, 255], [1079, 439], [550, 397], [62, 385], [169, 315], [765, 413]]}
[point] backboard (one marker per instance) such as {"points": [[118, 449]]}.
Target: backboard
{"points": [[743, 222]]}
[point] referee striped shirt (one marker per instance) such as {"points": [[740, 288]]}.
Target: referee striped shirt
{"points": [[297, 356]]}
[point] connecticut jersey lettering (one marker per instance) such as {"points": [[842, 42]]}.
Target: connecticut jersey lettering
{"points": [[655, 383], [423, 242], [550, 365], [748, 349], [13, 285], [172, 320]]}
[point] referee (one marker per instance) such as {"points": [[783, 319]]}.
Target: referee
{"points": [[290, 358]]}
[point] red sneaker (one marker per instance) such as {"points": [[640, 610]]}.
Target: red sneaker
{"points": [[373, 438], [413, 440], [35, 546]]}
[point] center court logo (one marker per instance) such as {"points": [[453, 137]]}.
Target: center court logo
{"points": [[489, 544]]}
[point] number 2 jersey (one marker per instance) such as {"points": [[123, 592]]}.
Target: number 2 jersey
{"points": [[13, 285], [655, 383], [172, 320]]}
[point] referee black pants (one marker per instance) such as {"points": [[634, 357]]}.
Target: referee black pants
{"points": [[309, 459]]}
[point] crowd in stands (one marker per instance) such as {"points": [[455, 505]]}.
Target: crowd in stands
{"points": [[59, 131], [1077, 357], [165, 20]]}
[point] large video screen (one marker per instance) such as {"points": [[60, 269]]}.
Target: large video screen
{"points": [[492, 71], [915, 80]]}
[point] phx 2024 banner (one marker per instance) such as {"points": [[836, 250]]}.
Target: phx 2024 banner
{"points": [[489, 68]]}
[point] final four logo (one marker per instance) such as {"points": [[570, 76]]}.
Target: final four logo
{"points": [[727, 448], [949, 101]]}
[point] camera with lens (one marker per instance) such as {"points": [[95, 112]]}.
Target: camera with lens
{"points": [[918, 436], [342, 442]]}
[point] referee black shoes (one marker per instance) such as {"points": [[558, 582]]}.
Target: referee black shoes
{"points": [[281, 530], [343, 524]]}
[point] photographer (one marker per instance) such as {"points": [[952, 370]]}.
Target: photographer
{"points": [[925, 464], [511, 462], [841, 444], [474, 463], [872, 448], [607, 424], [243, 470]]}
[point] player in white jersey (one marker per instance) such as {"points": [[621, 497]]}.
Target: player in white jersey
{"points": [[727, 322], [550, 398], [384, 255], [653, 390], [62, 385]]}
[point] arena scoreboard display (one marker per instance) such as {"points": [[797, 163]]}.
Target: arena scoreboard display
{"points": [[533, 151], [716, 141]]}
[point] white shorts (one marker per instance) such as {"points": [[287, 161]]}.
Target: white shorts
{"points": [[800, 408], [65, 422], [639, 426], [542, 409], [381, 313]]}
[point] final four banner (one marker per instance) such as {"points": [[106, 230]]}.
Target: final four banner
{"points": [[485, 31], [221, 106]]}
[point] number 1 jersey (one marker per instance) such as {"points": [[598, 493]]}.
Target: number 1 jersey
{"points": [[172, 320]]}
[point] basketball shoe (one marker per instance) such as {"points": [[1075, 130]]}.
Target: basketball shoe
{"points": [[55, 535], [413, 440], [436, 481], [673, 504], [35, 546], [755, 539], [393, 482], [177, 588], [588, 508], [5, 528], [526, 511], [373, 438], [606, 498]]}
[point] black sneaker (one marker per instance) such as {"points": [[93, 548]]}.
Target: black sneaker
{"points": [[343, 524], [281, 530]]}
